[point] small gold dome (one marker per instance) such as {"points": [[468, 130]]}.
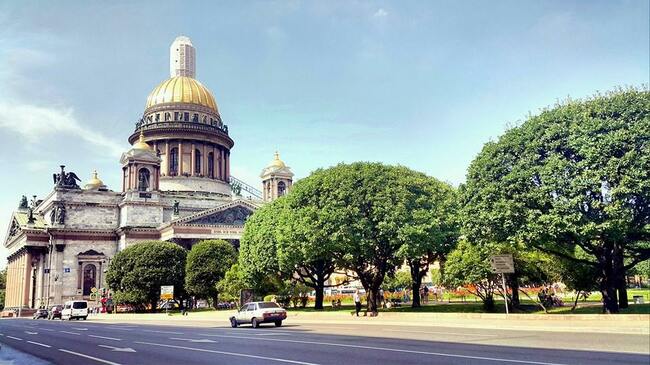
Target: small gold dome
{"points": [[94, 183], [181, 89], [141, 144], [277, 162]]}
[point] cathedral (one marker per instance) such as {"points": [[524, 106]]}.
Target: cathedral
{"points": [[176, 186]]}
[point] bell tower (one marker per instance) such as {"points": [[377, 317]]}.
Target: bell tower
{"points": [[140, 168], [277, 179]]}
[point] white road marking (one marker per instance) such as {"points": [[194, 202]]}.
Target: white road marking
{"points": [[205, 340], [15, 338], [89, 357], [119, 349], [39, 344], [167, 332], [47, 329], [79, 329], [31, 333], [442, 333], [228, 353], [273, 334], [71, 333], [393, 350], [106, 338]]}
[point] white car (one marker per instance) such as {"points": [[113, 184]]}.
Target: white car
{"points": [[75, 309], [259, 312]]}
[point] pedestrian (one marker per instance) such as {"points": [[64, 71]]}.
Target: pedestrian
{"points": [[425, 293], [357, 302]]}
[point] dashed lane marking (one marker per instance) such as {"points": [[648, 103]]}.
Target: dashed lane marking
{"points": [[15, 338], [39, 344], [441, 354], [89, 357], [79, 328], [228, 353], [167, 332], [71, 333], [106, 338], [46, 329], [442, 333]]}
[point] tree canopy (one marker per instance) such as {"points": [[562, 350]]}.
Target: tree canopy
{"points": [[207, 263], [574, 175], [141, 269]]}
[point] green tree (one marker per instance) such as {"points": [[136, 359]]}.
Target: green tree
{"points": [[468, 266], [397, 281], [432, 230], [574, 175], [140, 270], [231, 285], [207, 263], [3, 287]]}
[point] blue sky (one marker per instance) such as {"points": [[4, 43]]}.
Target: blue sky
{"points": [[423, 84]]}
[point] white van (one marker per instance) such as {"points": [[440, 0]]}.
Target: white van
{"points": [[75, 309]]}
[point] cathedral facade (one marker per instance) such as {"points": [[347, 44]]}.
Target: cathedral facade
{"points": [[175, 186]]}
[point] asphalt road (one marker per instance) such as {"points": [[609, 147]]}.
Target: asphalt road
{"points": [[88, 342]]}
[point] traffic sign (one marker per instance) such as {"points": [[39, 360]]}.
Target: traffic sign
{"points": [[167, 292], [93, 290], [502, 264]]}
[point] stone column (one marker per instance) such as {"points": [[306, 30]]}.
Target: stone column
{"points": [[193, 160], [27, 260], [204, 163], [180, 158], [166, 160]]}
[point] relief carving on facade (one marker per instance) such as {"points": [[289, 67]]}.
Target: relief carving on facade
{"points": [[232, 216]]}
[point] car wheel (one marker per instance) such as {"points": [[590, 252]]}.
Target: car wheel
{"points": [[84, 318], [278, 323], [233, 323], [255, 323]]}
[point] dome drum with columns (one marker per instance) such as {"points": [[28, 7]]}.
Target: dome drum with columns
{"points": [[175, 186]]}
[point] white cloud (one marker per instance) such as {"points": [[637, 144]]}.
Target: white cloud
{"points": [[33, 122], [380, 13]]}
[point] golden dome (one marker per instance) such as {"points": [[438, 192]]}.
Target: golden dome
{"points": [[181, 89], [277, 162], [94, 182], [141, 144]]}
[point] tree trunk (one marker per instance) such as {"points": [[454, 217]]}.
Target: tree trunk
{"points": [[608, 283], [575, 303], [215, 301], [319, 289], [154, 302], [619, 268], [416, 281], [513, 282], [372, 298]]}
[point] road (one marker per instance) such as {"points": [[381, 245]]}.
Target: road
{"points": [[88, 342]]}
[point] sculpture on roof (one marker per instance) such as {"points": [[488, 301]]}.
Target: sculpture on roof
{"points": [[66, 180], [23, 203]]}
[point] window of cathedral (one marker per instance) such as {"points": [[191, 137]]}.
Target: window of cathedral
{"points": [[143, 179], [210, 165], [186, 116], [282, 188], [197, 161], [173, 161]]}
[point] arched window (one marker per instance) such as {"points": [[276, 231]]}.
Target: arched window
{"points": [[143, 179], [173, 161], [282, 188], [197, 161], [89, 276], [210, 165]]}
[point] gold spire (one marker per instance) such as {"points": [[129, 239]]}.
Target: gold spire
{"points": [[277, 162], [141, 144], [94, 182]]}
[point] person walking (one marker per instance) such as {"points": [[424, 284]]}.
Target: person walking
{"points": [[357, 302]]}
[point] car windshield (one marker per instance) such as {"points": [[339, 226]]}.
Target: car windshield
{"points": [[79, 305], [267, 305]]}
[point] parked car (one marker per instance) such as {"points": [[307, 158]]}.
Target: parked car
{"points": [[55, 312], [75, 309], [259, 312], [40, 313]]}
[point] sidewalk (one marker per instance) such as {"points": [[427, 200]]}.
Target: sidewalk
{"points": [[579, 323]]}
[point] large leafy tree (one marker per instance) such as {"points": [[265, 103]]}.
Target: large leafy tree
{"points": [[207, 263], [364, 213], [430, 207], [574, 175], [140, 270]]}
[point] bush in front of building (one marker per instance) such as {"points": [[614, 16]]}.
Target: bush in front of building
{"points": [[140, 270], [207, 263]]}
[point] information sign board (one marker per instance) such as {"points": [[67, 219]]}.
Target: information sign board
{"points": [[167, 292], [502, 264]]}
